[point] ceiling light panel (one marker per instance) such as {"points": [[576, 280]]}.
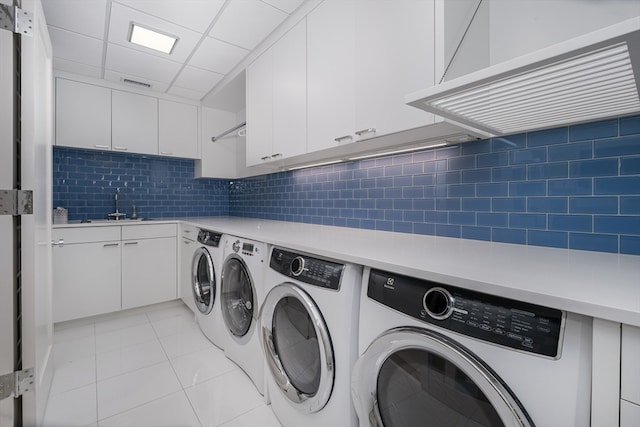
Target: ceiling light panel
{"points": [[120, 26], [151, 39], [586, 87]]}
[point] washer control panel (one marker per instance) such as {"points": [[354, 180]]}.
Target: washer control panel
{"points": [[314, 271], [209, 238], [518, 325]]}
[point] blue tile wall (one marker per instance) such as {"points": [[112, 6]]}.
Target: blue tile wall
{"points": [[572, 187], [84, 181]]}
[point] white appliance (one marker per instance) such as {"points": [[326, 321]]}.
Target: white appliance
{"points": [[309, 333], [205, 285], [242, 294], [434, 354]]}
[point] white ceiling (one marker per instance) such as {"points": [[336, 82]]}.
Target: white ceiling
{"points": [[89, 38]]}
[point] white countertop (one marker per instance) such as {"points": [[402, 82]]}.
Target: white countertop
{"points": [[596, 284]]}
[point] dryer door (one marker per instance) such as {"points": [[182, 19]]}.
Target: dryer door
{"points": [[203, 280], [411, 376], [238, 296], [297, 347]]}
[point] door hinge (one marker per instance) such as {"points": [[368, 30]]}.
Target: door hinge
{"points": [[16, 383], [16, 202], [16, 20]]}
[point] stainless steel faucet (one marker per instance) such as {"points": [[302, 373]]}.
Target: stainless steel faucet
{"points": [[117, 214]]}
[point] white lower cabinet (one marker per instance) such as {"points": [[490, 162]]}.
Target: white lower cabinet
{"points": [[148, 271], [103, 269], [630, 377], [148, 264], [86, 272]]}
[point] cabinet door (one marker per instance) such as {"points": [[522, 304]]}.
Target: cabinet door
{"points": [[330, 74], [260, 109], [86, 280], [187, 249], [394, 54], [134, 126], [148, 271], [178, 129], [290, 93], [83, 115]]}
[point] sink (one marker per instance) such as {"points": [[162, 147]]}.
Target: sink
{"points": [[114, 221]]}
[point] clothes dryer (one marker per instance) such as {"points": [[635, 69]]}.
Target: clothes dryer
{"points": [[242, 294], [309, 333], [434, 354], [205, 285]]}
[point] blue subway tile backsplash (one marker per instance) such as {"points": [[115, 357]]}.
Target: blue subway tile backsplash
{"points": [[85, 181], [572, 187]]}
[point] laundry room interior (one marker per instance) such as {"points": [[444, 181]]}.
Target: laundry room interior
{"points": [[285, 213]]}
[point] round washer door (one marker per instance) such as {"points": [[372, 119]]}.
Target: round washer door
{"points": [[203, 280], [297, 347], [238, 296], [411, 376]]}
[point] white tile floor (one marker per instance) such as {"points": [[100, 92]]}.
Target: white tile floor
{"points": [[148, 367]]}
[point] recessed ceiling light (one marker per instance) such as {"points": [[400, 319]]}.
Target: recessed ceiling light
{"points": [[152, 39]]}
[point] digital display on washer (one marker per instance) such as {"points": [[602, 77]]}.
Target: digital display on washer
{"points": [[247, 247], [314, 271], [515, 324]]}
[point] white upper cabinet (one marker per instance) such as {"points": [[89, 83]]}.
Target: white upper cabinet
{"points": [[394, 54], [331, 75], [83, 115], [178, 129], [101, 118], [134, 123], [277, 100], [363, 58]]}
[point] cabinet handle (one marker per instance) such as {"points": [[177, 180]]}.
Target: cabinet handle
{"points": [[187, 242], [265, 157], [130, 243], [273, 156], [186, 231], [106, 147], [366, 131], [115, 147], [168, 153], [109, 245], [60, 243], [341, 138]]}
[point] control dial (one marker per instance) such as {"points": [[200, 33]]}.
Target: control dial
{"points": [[236, 246], [297, 266], [438, 303]]}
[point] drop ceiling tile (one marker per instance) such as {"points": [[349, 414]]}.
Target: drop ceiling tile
{"points": [[196, 15], [197, 79], [76, 47], [287, 6], [187, 93], [119, 27], [76, 68], [246, 23], [217, 56], [117, 77], [80, 16], [140, 64]]}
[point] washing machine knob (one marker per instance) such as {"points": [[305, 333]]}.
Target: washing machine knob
{"points": [[297, 266], [438, 303], [236, 246]]}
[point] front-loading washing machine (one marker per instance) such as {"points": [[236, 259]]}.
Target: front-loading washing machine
{"points": [[205, 285], [309, 335], [241, 296], [438, 355]]}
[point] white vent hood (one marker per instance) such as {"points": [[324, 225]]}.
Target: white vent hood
{"points": [[586, 78]]}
